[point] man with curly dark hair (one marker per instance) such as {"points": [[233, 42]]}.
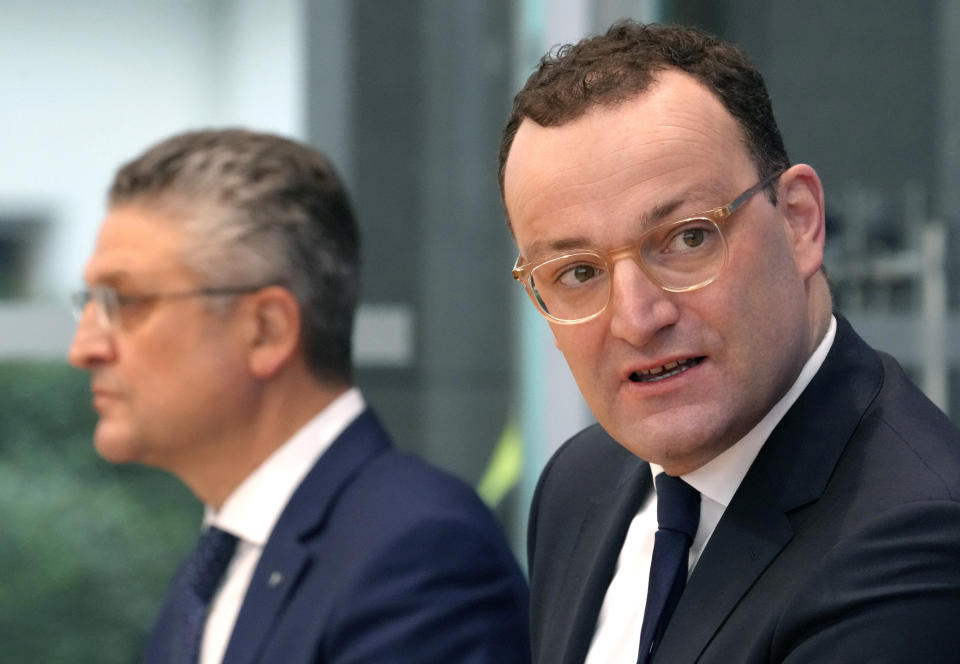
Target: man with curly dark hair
{"points": [[761, 486]]}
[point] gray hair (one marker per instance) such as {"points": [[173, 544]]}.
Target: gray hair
{"points": [[259, 209]]}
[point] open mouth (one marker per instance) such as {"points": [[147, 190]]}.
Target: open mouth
{"points": [[667, 370]]}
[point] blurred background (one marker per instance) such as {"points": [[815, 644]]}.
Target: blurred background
{"points": [[408, 97]]}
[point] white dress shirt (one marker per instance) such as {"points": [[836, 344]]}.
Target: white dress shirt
{"points": [[254, 507], [617, 637]]}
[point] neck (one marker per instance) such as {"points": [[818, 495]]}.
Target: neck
{"points": [[264, 423], [820, 309]]}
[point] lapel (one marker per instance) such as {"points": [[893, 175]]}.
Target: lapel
{"points": [[286, 557], [594, 559], [792, 470]]}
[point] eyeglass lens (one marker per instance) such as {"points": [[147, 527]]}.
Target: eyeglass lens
{"points": [[678, 256], [104, 299]]}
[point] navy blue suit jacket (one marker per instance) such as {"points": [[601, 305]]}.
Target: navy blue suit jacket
{"points": [[378, 558], [841, 545]]}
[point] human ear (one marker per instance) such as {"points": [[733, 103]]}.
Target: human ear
{"points": [[800, 201], [276, 330]]}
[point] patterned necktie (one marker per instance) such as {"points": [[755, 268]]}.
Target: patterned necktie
{"points": [[678, 513], [200, 579]]}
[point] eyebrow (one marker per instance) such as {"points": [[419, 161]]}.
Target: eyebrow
{"points": [[649, 218], [114, 277]]}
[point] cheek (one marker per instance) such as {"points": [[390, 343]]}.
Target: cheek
{"points": [[582, 347], [764, 274], [573, 341], [766, 312], [162, 369]]}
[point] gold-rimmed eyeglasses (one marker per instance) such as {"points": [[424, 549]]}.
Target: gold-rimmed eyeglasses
{"points": [[109, 302], [678, 256]]}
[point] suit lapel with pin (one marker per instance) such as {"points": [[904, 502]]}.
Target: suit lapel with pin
{"points": [[286, 556]]}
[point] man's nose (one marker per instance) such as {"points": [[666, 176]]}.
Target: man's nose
{"points": [[639, 307], [91, 345]]}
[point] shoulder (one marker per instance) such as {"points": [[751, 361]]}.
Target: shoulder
{"points": [[587, 467], [589, 461], [419, 553], [592, 448], [887, 590], [884, 538], [906, 443], [393, 494], [928, 437], [863, 429], [401, 508], [363, 474], [405, 549]]}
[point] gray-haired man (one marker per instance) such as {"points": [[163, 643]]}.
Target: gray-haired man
{"points": [[216, 328]]}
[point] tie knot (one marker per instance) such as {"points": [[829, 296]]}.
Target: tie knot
{"points": [[209, 561], [678, 505]]}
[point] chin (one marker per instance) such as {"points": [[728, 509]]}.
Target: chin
{"points": [[112, 445], [678, 449]]}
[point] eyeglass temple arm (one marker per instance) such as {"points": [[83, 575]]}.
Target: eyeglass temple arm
{"points": [[748, 194], [519, 270]]}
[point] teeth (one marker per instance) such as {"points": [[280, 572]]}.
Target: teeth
{"points": [[669, 366], [667, 370]]}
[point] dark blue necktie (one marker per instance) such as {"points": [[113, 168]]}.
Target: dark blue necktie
{"points": [[201, 576], [678, 513]]}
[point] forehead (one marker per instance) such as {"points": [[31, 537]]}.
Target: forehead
{"points": [[672, 148], [135, 242]]}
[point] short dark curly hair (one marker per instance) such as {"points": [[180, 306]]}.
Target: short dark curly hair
{"points": [[608, 69]]}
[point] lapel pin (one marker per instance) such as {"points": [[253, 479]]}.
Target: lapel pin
{"points": [[276, 578]]}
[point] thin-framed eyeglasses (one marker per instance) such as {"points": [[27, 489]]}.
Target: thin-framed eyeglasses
{"points": [[678, 256], [109, 302]]}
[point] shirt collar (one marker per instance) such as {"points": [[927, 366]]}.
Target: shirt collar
{"points": [[254, 507], [719, 478]]}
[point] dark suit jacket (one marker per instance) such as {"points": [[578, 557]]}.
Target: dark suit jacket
{"points": [[842, 543], [378, 558]]}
